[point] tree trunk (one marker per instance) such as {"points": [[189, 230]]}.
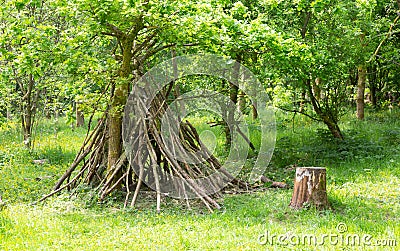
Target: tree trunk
{"points": [[316, 89], [328, 119], [117, 104], [302, 101], [241, 102], [177, 90], [372, 79], [374, 100], [309, 188], [362, 76], [9, 114], [27, 113], [254, 111], [80, 117], [233, 95], [241, 96]]}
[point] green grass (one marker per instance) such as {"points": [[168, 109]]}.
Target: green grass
{"points": [[363, 188]]}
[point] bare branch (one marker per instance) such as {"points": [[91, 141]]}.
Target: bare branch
{"points": [[300, 112], [115, 31], [305, 24]]}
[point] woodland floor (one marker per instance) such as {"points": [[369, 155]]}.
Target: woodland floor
{"points": [[363, 176]]}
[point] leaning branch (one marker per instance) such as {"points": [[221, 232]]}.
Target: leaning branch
{"points": [[297, 111]]}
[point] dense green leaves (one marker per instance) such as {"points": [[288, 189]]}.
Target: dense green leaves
{"points": [[72, 49]]}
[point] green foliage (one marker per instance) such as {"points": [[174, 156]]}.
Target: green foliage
{"points": [[67, 46], [5, 224], [22, 179], [364, 141]]}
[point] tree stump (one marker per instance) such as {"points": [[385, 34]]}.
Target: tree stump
{"points": [[309, 188]]}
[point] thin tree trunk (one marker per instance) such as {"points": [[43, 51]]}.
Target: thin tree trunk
{"points": [[177, 91], [234, 89], [241, 102], [332, 126], [372, 79], [302, 101], [316, 89], [374, 100], [327, 118], [255, 113], [362, 76], [233, 95], [27, 113], [80, 117], [8, 113]]}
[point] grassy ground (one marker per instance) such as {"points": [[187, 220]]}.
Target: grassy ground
{"points": [[363, 189]]}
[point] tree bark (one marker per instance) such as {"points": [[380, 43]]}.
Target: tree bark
{"points": [[328, 119], [333, 127], [307, 19], [372, 79], [242, 102], [8, 113], [374, 100], [233, 95], [177, 90], [254, 111], [80, 117], [118, 102], [309, 188], [302, 101], [362, 76], [316, 89], [27, 112]]}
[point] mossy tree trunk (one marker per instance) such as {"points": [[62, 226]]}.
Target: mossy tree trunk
{"points": [[118, 101]]}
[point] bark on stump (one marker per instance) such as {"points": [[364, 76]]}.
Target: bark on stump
{"points": [[309, 188]]}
